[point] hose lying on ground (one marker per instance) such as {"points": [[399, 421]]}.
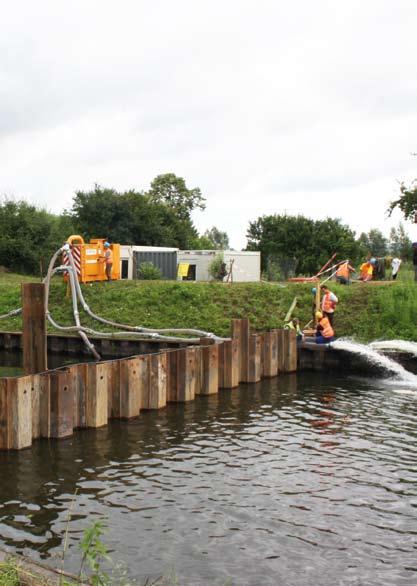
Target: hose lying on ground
{"points": [[76, 293]]}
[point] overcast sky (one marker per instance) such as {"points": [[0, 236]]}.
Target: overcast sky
{"points": [[268, 106]]}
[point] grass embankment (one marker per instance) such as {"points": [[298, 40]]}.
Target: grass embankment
{"points": [[366, 311]]}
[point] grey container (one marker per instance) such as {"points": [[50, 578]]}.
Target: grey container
{"points": [[166, 261]]}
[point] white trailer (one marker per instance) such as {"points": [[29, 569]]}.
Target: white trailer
{"points": [[245, 265]]}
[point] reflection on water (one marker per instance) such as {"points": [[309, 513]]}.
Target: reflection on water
{"points": [[298, 480]]}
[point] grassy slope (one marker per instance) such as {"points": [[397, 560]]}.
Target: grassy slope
{"points": [[365, 311]]}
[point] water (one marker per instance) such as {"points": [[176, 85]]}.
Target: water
{"points": [[375, 358], [396, 345], [303, 479]]}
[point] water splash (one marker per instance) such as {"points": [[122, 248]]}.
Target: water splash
{"points": [[372, 356], [399, 345]]}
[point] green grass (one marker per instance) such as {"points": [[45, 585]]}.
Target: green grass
{"points": [[365, 311]]}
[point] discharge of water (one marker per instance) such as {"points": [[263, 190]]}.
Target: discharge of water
{"points": [[372, 356], [398, 345]]}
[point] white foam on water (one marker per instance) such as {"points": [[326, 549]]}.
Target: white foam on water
{"points": [[374, 357], [400, 345], [405, 392]]}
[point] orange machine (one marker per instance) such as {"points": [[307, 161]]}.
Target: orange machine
{"points": [[89, 259]]}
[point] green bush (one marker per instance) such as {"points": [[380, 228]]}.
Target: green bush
{"points": [[217, 268], [149, 272]]}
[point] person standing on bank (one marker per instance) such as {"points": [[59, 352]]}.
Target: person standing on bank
{"points": [[395, 266], [328, 303], [108, 259]]}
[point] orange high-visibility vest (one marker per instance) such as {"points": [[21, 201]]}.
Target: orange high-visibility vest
{"points": [[327, 331], [343, 271], [327, 304]]}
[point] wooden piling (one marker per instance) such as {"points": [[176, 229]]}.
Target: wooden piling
{"points": [[210, 369], [130, 388], [270, 354], [229, 364], [96, 401], [61, 404], [290, 351], [15, 413], [34, 328], [156, 398], [172, 376], [254, 359], [280, 349], [113, 389], [186, 374]]}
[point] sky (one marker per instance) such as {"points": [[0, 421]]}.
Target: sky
{"points": [[302, 107]]}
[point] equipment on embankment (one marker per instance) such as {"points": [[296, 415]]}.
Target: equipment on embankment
{"points": [[89, 258]]}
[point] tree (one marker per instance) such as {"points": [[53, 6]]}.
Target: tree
{"points": [[407, 201], [400, 243], [218, 239], [129, 218], [30, 236], [297, 243], [373, 243], [170, 190]]}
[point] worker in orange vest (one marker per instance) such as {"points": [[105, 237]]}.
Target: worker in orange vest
{"points": [[108, 259], [328, 303], [366, 271], [343, 273], [324, 332]]}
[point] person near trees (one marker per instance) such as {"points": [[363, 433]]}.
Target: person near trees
{"points": [[328, 303], [108, 260], [415, 260], [395, 266], [343, 273], [366, 271]]}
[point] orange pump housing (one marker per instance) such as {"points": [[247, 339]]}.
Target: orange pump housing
{"points": [[90, 261]]}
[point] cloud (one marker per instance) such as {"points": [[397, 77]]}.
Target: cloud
{"points": [[267, 106]]}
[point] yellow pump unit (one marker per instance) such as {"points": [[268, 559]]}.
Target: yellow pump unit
{"points": [[89, 259]]}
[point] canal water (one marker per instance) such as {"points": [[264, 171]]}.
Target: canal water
{"points": [[303, 479]]}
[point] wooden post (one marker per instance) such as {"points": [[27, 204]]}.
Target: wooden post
{"points": [[242, 333], [130, 392], [237, 335], [157, 395], [270, 354], [186, 374], [113, 390], [254, 361], [34, 328], [280, 349], [229, 364], [210, 369], [15, 413], [290, 351], [62, 404], [172, 376], [96, 394]]}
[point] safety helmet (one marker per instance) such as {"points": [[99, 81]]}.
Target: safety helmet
{"points": [[319, 315], [314, 290], [106, 244], [373, 261]]}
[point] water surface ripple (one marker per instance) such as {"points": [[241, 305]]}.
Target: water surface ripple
{"points": [[299, 480]]}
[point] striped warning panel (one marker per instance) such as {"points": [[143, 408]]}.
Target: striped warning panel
{"points": [[76, 255]]}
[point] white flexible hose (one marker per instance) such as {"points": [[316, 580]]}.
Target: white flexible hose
{"points": [[76, 293]]}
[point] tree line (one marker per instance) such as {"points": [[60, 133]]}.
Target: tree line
{"points": [[161, 216]]}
